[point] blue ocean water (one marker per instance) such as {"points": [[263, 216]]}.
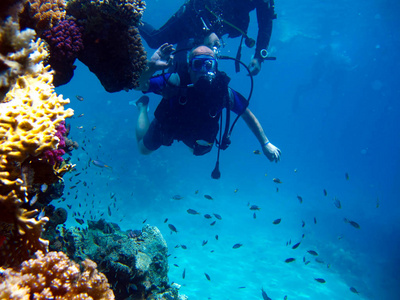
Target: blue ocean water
{"points": [[329, 102]]}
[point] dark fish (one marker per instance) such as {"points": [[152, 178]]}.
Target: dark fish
{"points": [[295, 246], [303, 223], [204, 242], [289, 260], [325, 192], [315, 220], [177, 197], [176, 265], [254, 216], [300, 199], [254, 207], [166, 220], [257, 152], [337, 203], [208, 197], [312, 252], [193, 212], [352, 223], [320, 280], [320, 261], [218, 216], [277, 189], [285, 297], [276, 180], [277, 221], [207, 276], [347, 176], [80, 221], [241, 287], [236, 190], [354, 290], [69, 206], [184, 273], [81, 115], [216, 237], [207, 216], [307, 262], [144, 221], [213, 223], [172, 227], [183, 247], [80, 98], [236, 246], [264, 295], [196, 192], [109, 211]]}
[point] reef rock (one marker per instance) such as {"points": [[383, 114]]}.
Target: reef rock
{"points": [[136, 265]]}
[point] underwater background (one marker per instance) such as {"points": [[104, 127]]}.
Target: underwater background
{"points": [[330, 102]]}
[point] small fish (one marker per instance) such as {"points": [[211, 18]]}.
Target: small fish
{"points": [[172, 227], [300, 199], [276, 180], [80, 98], [325, 192], [33, 200], [166, 220], [192, 212], [320, 261], [144, 221], [264, 295], [207, 276], [303, 223], [312, 252], [69, 206], [177, 197], [236, 246], [347, 176], [196, 192], [289, 260], [184, 273], [241, 287], [320, 280], [80, 221], [307, 262], [295, 246], [109, 210], [204, 242], [337, 203], [254, 216], [254, 207], [213, 223], [93, 128], [285, 297], [276, 222], [216, 237], [315, 220], [207, 216], [184, 247], [81, 115], [79, 127], [99, 164], [218, 216], [236, 190], [352, 223], [277, 189], [208, 197], [43, 187], [354, 290], [41, 214], [257, 152]]}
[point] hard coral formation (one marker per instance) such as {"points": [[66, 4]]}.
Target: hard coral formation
{"points": [[65, 42], [113, 49], [54, 276], [137, 267], [42, 15]]}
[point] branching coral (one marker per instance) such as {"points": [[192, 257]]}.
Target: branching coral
{"points": [[54, 276]]}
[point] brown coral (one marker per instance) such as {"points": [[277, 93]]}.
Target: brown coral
{"points": [[42, 14], [54, 276]]}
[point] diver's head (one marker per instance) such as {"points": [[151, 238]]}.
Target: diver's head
{"points": [[202, 63]]}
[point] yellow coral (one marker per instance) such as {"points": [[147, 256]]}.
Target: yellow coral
{"points": [[44, 14], [54, 276]]}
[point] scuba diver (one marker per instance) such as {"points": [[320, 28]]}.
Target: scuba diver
{"points": [[192, 106], [197, 19]]}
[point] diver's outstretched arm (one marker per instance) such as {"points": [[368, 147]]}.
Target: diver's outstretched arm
{"points": [[270, 151]]}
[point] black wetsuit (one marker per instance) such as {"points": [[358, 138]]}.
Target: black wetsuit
{"points": [[198, 18]]}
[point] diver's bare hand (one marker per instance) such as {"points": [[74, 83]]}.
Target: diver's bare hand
{"points": [[161, 59], [255, 66], [272, 152]]}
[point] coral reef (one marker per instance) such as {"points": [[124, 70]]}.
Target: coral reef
{"points": [[136, 265], [30, 112], [10, 8], [113, 48], [54, 276]]}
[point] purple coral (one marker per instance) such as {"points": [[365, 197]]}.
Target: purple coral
{"points": [[65, 40], [55, 156]]}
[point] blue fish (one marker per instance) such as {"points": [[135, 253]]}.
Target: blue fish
{"points": [[99, 163]]}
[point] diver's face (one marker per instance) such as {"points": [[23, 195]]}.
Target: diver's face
{"points": [[202, 65]]}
